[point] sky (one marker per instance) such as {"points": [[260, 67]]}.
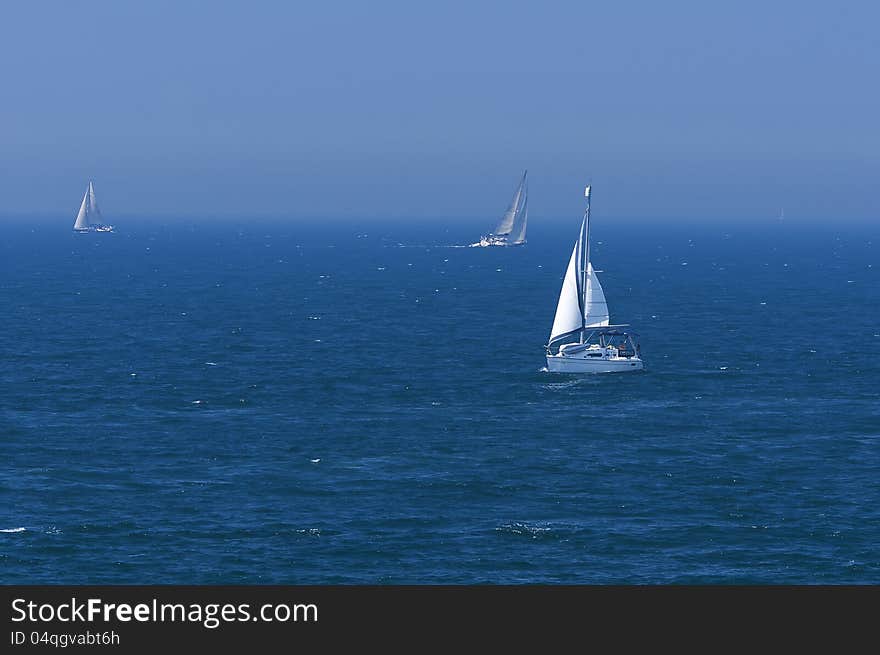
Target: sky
{"points": [[430, 111]]}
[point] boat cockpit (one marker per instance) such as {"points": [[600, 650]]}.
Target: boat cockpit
{"points": [[606, 342]]}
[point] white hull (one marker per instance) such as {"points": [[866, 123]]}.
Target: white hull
{"points": [[575, 364]]}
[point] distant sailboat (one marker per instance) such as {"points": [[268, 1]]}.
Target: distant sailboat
{"points": [[89, 218], [511, 229], [582, 340], [781, 216]]}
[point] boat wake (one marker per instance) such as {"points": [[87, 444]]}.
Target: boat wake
{"points": [[574, 380], [12, 530], [428, 247]]}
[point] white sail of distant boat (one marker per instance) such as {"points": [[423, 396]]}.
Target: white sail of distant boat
{"points": [[517, 234], [94, 211], [511, 229], [582, 316], [89, 216], [82, 218]]}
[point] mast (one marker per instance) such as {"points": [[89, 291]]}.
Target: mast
{"points": [[585, 265]]}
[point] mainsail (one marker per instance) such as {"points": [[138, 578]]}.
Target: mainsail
{"points": [[518, 231], [505, 225], [82, 218], [569, 315], [581, 300]]}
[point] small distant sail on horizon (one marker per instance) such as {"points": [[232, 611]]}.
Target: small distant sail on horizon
{"points": [[89, 218], [511, 229]]}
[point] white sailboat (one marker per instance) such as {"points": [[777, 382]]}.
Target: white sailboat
{"points": [[511, 229], [89, 218], [582, 339]]}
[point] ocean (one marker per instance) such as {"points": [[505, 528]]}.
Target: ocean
{"points": [[256, 402]]}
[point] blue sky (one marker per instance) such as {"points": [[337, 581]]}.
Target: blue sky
{"points": [[431, 110]]}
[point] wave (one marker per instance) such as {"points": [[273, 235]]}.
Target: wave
{"points": [[533, 531], [439, 245]]}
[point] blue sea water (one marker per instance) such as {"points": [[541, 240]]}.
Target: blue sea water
{"points": [[284, 402]]}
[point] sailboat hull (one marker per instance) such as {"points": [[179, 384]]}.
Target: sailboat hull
{"points": [[576, 364], [490, 241]]}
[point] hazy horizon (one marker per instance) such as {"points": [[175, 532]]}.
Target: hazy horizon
{"points": [[682, 111], [474, 226]]}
